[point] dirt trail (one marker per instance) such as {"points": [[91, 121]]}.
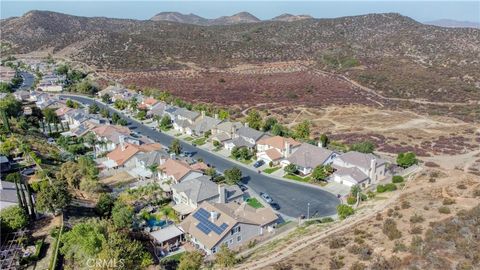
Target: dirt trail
{"points": [[308, 240], [373, 92]]}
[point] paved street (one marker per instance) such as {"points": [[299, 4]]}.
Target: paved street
{"points": [[292, 197], [28, 80]]}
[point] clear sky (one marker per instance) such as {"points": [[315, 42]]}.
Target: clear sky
{"points": [[418, 10]]}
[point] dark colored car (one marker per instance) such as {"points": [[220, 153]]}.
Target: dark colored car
{"points": [[258, 163], [275, 206], [243, 187]]}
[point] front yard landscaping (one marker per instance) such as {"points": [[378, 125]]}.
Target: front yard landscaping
{"points": [[244, 161], [200, 141], [188, 139], [253, 202], [271, 170], [297, 177]]}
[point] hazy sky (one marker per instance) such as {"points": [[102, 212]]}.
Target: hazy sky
{"points": [[418, 10]]}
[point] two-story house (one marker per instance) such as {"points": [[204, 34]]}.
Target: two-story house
{"points": [[184, 120], [355, 168], [204, 124], [125, 151], [274, 149], [245, 137], [188, 194], [232, 224], [109, 136], [144, 165], [308, 156], [225, 131], [176, 171]]}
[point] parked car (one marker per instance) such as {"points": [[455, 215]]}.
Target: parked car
{"points": [[28, 171], [242, 187], [275, 206], [266, 197], [258, 163]]}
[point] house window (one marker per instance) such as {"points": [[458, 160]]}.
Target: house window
{"points": [[239, 238], [230, 242], [235, 230], [214, 250]]}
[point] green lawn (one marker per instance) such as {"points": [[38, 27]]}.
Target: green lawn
{"points": [[188, 139], [253, 202], [297, 178], [271, 170], [244, 161], [178, 135], [200, 141]]}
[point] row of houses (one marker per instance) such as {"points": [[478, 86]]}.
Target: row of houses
{"points": [[212, 214], [352, 168]]}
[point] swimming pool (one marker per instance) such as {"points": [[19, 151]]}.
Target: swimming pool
{"points": [[154, 222]]}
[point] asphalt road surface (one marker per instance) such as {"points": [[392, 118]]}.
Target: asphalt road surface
{"points": [[294, 199]]}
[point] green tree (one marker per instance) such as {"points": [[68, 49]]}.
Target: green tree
{"points": [[254, 119], [54, 197], [225, 257], [269, 123], [105, 113], [84, 240], [166, 122], [279, 130], [223, 114], [105, 205], [363, 147], [142, 114], [211, 172], [93, 109], [302, 130], [235, 152], [13, 218], [62, 70], [120, 104], [133, 104], [290, 168], [320, 173], [233, 176], [122, 215], [407, 159], [115, 118], [5, 87], [344, 211], [191, 260], [106, 98], [70, 103], [122, 122], [175, 147], [324, 140], [10, 106]]}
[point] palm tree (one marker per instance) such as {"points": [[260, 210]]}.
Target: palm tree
{"points": [[154, 169]]}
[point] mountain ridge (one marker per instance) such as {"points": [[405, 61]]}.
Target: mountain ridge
{"points": [[241, 17]]}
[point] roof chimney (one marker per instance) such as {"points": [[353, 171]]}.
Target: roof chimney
{"points": [[213, 216], [215, 116], [372, 173], [203, 114], [246, 124], [287, 149], [222, 194], [121, 139]]}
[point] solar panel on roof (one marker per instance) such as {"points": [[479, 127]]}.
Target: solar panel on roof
{"points": [[205, 225]]}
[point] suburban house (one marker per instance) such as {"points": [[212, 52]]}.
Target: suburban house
{"points": [[171, 111], [117, 93], [125, 151], [225, 131], [75, 117], [176, 171], [274, 149], [188, 194], [22, 95], [184, 120], [82, 129], [204, 124], [109, 136], [8, 194], [245, 137], [148, 103], [213, 224], [308, 156], [355, 168], [142, 163], [157, 109]]}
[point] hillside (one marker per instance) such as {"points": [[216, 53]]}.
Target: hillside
{"points": [[392, 54], [291, 18], [242, 17], [453, 23]]}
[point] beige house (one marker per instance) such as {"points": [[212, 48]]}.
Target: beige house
{"points": [[232, 224], [274, 149]]}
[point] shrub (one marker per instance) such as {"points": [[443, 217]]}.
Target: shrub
{"points": [[476, 193], [327, 220], [337, 242], [378, 217], [406, 160], [405, 205], [336, 263], [351, 200], [344, 211], [371, 194], [416, 230], [416, 218], [448, 201], [390, 229], [358, 266], [364, 251], [397, 179], [444, 210], [461, 186], [390, 187], [416, 245], [399, 246]]}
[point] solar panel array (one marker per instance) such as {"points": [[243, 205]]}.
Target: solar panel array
{"points": [[205, 225]]}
